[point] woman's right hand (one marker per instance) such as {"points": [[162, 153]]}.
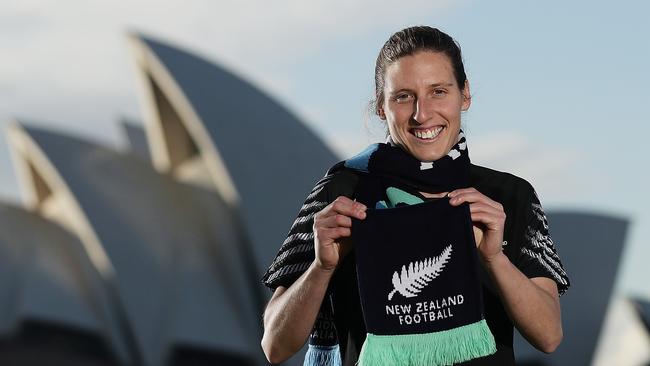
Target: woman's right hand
{"points": [[332, 228]]}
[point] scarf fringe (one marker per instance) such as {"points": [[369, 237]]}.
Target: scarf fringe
{"points": [[323, 356], [429, 349]]}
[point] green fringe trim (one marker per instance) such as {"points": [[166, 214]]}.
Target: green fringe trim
{"points": [[446, 347]]}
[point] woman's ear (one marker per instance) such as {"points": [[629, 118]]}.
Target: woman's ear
{"points": [[380, 113], [467, 97]]}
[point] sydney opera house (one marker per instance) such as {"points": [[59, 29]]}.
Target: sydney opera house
{"points": [[152, 255]]}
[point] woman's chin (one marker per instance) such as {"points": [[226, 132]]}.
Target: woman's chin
{"points": [[427, 156], [427, 151], [424, 152]]}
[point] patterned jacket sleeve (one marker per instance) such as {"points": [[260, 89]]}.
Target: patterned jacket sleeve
{"points": [[297, 251], [538, 256]]}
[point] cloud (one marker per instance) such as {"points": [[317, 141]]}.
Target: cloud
{"points": [[80, 45], [67, 63], [556, 172], [59, 52]]}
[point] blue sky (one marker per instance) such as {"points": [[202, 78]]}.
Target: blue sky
{"points": [[560, 89]]}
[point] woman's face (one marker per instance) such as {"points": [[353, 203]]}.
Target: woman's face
{"points": [[422, 104]]}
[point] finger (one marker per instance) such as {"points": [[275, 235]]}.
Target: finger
{"points": [[473, 196], [462, 190], [483, 207], [470, 196], [332, 234], [336, 220], [345, 206], [491, 221]]}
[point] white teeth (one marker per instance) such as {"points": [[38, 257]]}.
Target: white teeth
{"points": [[428, 134]]}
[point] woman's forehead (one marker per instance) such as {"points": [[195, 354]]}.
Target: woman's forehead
{"points": [[422, 69]]}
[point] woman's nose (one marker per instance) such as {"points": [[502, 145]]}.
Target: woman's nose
{"points": [[422, 110]]}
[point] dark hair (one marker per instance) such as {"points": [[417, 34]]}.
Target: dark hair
{"points": [[407, 42]]}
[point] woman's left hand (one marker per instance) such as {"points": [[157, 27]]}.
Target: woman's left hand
{"points": [[488, 217]]}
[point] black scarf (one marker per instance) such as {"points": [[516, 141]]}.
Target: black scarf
{"points": [[390, 161]]}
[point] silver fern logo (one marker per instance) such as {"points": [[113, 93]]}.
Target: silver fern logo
{"points": [[419, 274]]}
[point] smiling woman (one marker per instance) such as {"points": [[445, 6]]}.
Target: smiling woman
{"points": [[410, 221]]}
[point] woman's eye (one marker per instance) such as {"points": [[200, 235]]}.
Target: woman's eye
{"points": [[402, 97]]}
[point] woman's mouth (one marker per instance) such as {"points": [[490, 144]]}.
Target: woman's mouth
{"points": [[427, 133]]}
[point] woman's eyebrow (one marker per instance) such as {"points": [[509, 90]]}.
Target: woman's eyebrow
{"points": [[432, 85], [400, 91], [435, 85]]}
